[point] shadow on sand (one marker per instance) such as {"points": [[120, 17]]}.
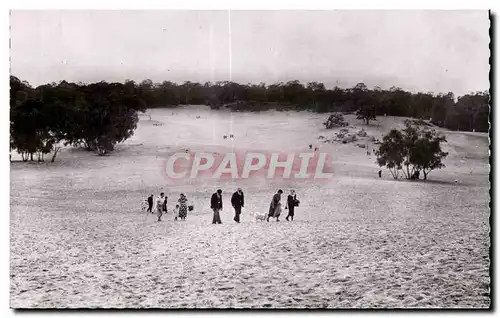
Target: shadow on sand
{"points": [[442, 182]]}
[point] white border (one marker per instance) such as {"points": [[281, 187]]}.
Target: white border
{"points": [[248, 4], [185, 4]]}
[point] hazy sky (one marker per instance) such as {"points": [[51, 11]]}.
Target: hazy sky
{"points": [[435, 51]]}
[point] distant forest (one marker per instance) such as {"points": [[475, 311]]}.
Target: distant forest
{"points": [[99, 115], [470, 112]]}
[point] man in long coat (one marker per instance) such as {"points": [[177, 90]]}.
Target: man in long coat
{"points": [[237, 201], [216, 206]]}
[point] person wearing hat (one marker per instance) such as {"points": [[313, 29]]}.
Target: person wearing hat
{"points": [[291, 203], [150, 204], [237, 201], [275, 206], [216, 206]]}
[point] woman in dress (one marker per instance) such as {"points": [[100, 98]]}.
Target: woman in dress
{"points": [[275, 206], [182, 206]]}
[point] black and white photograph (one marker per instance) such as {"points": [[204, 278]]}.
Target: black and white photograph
{"points": [[250, 159]]}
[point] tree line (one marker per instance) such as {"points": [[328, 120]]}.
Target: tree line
{"points": [[95, 116], [99, 115], [469, 112]]}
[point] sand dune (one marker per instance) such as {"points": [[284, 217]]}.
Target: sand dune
{"points": [[79, 239]]}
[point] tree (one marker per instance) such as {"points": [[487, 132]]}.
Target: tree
{"points": [[473, 111], [366, 113], [398, 102], [392, 152], [98, 115], [31, 131], [315, 94], [416, 148], [61, 103], [441, 105], [110, 115], [481, 118], [293, 92], [426, 154], [28, 123]]}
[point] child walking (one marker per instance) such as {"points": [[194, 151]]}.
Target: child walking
{"points": [[159, 205], [176, 212]]}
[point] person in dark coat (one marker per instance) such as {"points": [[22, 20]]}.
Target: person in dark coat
{"points": [[150, 204], [274, 205], [291, 202], [237, 201], [380, 173], [216, 206], [165, 205]]}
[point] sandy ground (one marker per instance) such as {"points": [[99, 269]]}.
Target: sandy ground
{"points": [[79, 239]]}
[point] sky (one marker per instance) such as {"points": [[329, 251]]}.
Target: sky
{"points": [[430, 51]]}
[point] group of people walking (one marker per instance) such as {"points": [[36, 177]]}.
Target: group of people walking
{"points": [[180, 211], [275, 206], [238, 202]]}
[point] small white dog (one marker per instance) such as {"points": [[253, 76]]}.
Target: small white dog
{"points": [[144, 205], [260, 217]]}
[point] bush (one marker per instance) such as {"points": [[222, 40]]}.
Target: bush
{"points": [[335, 120]]}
